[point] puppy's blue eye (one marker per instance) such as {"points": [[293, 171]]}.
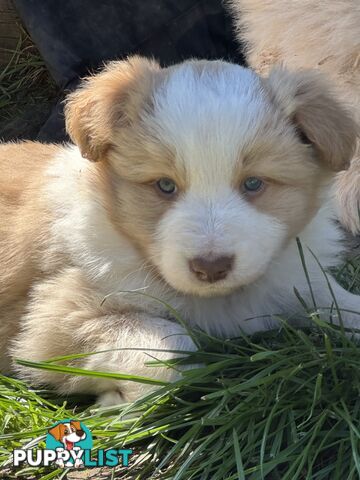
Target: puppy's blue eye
{"points": [[166, 186], [253, 184]]}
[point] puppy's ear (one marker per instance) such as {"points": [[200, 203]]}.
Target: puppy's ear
{"points": [[76, 424], [319, 117], [57, 432], [107, 101]]}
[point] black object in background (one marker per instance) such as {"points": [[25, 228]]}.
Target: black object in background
{"points": [[75, 36]]}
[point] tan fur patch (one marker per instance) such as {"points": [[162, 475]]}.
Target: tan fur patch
{"points": [[108, 101], [23, 215]]}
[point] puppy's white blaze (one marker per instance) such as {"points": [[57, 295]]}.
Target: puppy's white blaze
{"points": [[224, 109], [225, 225]]}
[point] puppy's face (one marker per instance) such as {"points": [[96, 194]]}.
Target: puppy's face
{"points": [[213, 168]]}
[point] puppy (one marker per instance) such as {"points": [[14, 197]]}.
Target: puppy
{"points": [[316, 35], [188, 184]]}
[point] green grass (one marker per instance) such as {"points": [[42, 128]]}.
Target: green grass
{"points": [[26, 91], [25, 78], [279, 405]]}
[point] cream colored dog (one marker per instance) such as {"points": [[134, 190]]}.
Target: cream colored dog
{"points": [[318, 35], [189, 184]]}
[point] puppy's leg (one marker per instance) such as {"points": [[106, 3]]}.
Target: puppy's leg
{"points": [[144, 333], [66, 317], [348, 196], [348, 303]]}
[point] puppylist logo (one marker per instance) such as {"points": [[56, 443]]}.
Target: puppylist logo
{"points": [[69, 444]]}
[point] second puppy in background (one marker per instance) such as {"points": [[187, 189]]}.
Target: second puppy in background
{"points": [[317, 35]]}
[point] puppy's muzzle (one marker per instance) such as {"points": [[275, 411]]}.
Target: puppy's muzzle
{"points": [[211, 270]]}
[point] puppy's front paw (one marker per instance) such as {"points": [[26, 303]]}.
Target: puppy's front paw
{"points": [[110, 398], [154, 339], [348, 197]]}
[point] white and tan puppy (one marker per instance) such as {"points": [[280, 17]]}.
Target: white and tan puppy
{"points": [[190, 184], [317, 35]]}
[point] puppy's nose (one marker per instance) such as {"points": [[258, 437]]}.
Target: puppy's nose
{"points": [[79, 433], [213, 270]]}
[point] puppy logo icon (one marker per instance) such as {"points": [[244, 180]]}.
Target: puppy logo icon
{"points": [[69, 437]]}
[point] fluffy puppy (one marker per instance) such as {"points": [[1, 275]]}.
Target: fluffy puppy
{"points": [[317, 35], [190, 184]]}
